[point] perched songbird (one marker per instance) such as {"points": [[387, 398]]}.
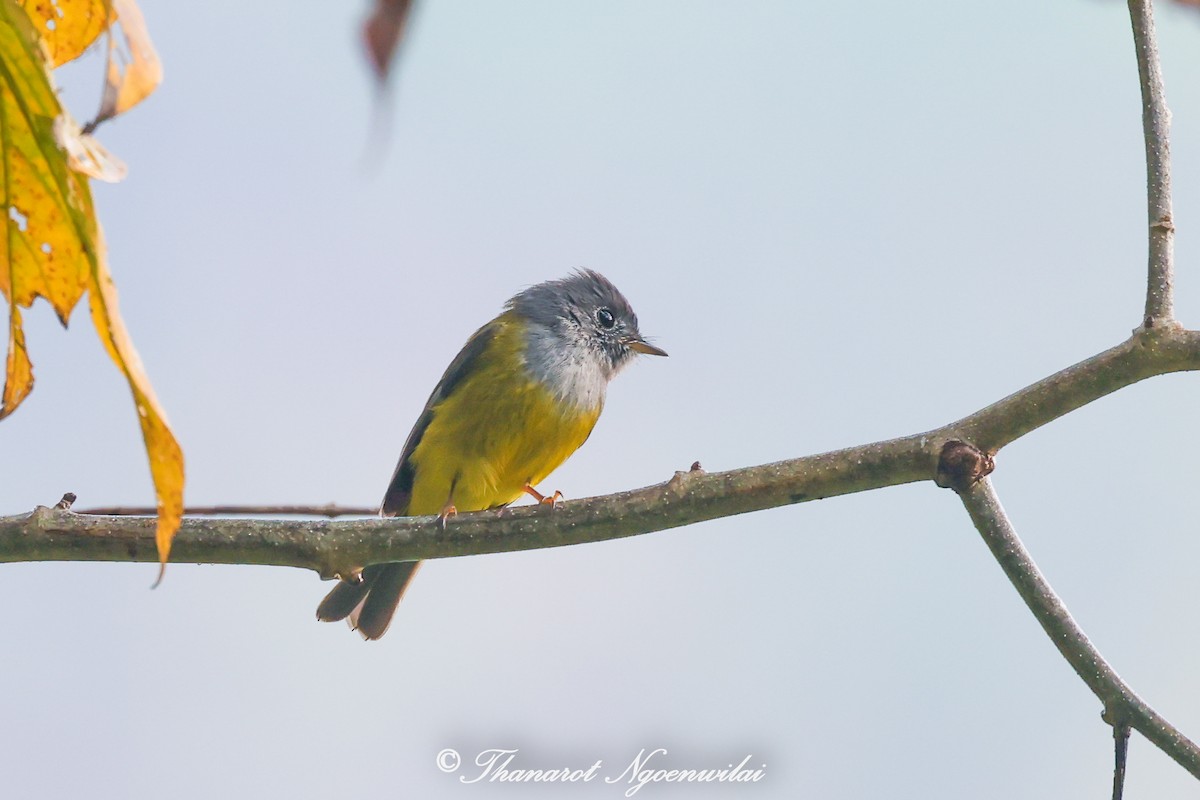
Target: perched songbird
{"points": [[521, 396]]}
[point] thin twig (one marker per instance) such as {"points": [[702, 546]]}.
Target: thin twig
{"points": [[1156, 127], [1122, 706], [330, 510], [1121, 756]]}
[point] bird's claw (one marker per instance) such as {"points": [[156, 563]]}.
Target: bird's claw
{"points": [[554, 500]]}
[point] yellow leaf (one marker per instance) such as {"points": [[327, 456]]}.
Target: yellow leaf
{"points": [[128, 81], [46, 208], [19, 371], [166, 458], [68, 26], [52, 247]]}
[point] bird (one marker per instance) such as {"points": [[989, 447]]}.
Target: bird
{"points": [[521, 396]]}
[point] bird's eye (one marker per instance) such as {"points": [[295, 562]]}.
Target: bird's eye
{"points": [[605, 318]]}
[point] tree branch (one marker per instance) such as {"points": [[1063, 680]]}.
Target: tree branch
{"points": [[1156, 127], [1122, 707], [337, 547], [330, 510], [1149, 352]]}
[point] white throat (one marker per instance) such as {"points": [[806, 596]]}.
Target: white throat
{"points": [[571, 370]]}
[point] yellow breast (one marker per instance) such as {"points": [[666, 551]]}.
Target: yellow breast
{"points": [[498, 429]]}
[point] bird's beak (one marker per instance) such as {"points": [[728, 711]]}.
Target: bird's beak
{"points": [[645, 347]]}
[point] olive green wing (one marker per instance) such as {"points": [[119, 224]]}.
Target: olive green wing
{"points": [[399, 491]]}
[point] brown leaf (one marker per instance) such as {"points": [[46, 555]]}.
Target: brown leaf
{"points": [[382, 32]]}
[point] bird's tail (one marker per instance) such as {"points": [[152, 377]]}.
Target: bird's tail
{"points": [[370, 603]]}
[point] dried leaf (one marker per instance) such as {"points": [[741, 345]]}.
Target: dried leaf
{"points": [[52, 247], [133, 75], [68, 27], [85, 153], [382, 32]]}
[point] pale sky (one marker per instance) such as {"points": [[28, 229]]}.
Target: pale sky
{"points": [[845, 222]]}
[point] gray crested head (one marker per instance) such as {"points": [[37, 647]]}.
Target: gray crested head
{"points": [[582, 331]]}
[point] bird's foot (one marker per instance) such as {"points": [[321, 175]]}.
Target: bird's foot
{"points": [[554, 500], [447, 511]]}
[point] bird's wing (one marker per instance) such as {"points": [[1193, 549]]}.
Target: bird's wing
{"points": [[399, 491]]}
